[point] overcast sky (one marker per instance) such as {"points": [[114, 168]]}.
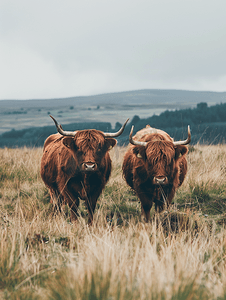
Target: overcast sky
{"points": [[52, 48]]}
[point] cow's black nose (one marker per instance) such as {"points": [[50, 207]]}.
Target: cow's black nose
{"points": [[89, 166], [163, 180]]}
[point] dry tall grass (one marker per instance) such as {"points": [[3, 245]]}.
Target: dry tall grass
{"points": [[180, 255]]}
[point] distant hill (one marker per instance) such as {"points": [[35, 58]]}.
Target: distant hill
{"points": [[141, 97]]}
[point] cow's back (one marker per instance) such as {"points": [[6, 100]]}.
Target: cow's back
{"points": [[142, 134], [52, 139]]}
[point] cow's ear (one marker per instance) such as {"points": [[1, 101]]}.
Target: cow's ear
{"points": [[110, 142], [135, 150], [68, 142], [180, 151], [139, 152]]}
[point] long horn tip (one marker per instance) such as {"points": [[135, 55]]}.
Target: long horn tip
{"points": [[56, 123], [131, 131], [108, 134], [125, 123], [189, 134], [52, 118]]}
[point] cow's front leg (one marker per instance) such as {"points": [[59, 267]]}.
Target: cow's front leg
{"points": [[91, 201], [74, 209], [91, 205], [93, 191], [162, 197], [71, 197], [145, 212], [159, 206], [146, 205], [171, 194], [73, 202], [146, 198]]}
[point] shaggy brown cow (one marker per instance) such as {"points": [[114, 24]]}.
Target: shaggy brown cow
{"points": [[76, 165], [154, 167]]}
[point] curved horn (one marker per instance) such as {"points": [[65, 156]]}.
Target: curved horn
{"points": [[133, 142], [115, 134], [60, 129], [185, 142]]}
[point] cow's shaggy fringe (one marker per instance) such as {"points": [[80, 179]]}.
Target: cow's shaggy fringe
{"points": [[179, 255]]}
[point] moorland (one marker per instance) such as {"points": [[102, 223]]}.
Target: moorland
{"points": [[180, 254]]}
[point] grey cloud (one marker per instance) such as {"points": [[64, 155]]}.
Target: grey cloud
{"points": [[135, 43]]}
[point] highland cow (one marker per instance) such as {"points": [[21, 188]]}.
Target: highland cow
{"points": [[154, 167], [76, 165]]}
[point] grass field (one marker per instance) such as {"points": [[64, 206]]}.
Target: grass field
{"points": [[181, 254]]}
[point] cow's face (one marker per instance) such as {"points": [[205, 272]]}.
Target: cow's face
{"points": [[89, 148], [159, 160]]}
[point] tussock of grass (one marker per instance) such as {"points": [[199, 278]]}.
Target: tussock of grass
{"points": [[180, 254]]}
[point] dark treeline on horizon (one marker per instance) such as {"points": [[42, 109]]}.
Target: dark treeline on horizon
{"points": [[192, 116], [208, 125]]}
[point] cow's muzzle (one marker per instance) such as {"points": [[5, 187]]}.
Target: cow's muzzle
{"points": [[89, 166], [160, 180]]}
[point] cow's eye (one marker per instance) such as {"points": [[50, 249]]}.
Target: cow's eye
{"points": [[99, 148], [99, 151], [139, 155]]}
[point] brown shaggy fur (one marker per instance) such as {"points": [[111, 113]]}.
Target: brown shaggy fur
{"points": [[159, 159], [63, 171]]}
